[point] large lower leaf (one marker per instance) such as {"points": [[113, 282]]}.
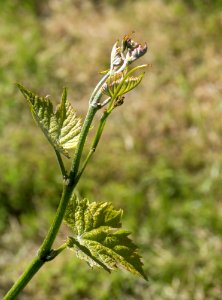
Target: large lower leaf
{"points": [[62, 127], [97, 238]]}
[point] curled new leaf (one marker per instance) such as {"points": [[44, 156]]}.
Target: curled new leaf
{"points": [[62, 127], [116, 58], [97, 238], [116, 86]]}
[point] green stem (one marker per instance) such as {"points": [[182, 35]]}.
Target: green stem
{"points": [[98, 87], [84, 132], [33, 268], [45, 253], [53, 253], [59, 250], [95, 142], [69, 186], [100, 128], [53, 230]]}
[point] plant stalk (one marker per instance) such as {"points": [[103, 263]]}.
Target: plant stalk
{"points": [[85, 129], [19, 285], [68, 187], [95, 141]]}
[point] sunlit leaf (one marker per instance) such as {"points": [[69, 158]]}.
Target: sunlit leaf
{"points": [[98, 239], [116, 85], [116, 58], [62, 127], [104, 72]]}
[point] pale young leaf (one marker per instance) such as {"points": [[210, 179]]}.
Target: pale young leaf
{"points": [[62, 127], [116, 85]]}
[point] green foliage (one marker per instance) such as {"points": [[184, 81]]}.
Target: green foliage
{"points": [[165, 171], [117, 86], [97, 238], [61, 128]]}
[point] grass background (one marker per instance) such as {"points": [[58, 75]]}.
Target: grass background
{"points": [[159, 159]]}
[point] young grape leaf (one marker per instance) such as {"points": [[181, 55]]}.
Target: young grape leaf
{"points": [[117, 86], [97, 238], [62, 127]]}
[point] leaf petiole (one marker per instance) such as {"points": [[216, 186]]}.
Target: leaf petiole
{"points": [[95, 141], [61, 164]]}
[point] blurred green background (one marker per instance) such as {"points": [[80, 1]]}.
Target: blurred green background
{"points": [[160, 158]]}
